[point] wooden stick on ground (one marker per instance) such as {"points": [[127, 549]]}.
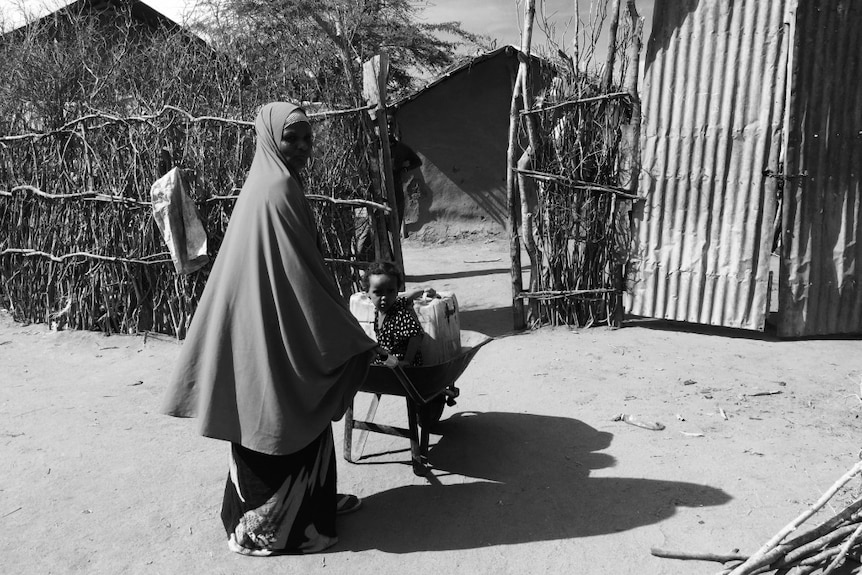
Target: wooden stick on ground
{"points": [[810, 542], [810, 548], [757, 560], [845, 548], [693, 556]]}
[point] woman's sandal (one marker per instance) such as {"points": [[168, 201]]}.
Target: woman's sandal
{"points": [[345, 504]]}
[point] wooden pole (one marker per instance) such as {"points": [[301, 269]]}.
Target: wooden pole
{"points": [[629, 157], [520, 90], [608, 79], [513, 205], [374, 74], [631, 86], [576, 52], [524, 75], [528, 159]]}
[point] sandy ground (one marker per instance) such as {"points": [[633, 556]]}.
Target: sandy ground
{"points": [[531, 473]]}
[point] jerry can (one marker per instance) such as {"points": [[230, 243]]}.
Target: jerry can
{"points": [[442, 326], [363, 310]]}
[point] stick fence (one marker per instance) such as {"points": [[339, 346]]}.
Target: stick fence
{"points": [[571, 189], [80, 247]]}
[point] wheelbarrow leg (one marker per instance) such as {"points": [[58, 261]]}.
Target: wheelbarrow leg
{"points": [[348, 433], [416, 453], [363, 433], [350, 425], [423, 445]]}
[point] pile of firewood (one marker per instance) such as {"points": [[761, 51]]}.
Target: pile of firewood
{"points": [[819, 551]]}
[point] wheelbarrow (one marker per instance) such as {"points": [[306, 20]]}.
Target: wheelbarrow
{"points": [[427, 390]]}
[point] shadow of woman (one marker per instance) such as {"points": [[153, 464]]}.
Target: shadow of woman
{"points": [[532, 483]]}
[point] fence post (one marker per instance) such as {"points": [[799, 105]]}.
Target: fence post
{"points": [[513, 196], [629, 159], [374, 74]]}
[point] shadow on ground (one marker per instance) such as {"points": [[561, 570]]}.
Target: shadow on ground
{"points": [[533, 483], [494, 322], [702, 329], [769, 334], [455, 275]]}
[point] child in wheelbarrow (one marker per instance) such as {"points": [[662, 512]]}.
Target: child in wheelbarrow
{"points": [[395, 323]]}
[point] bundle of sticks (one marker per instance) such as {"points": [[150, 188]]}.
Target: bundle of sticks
{"points": [[819, 551]]}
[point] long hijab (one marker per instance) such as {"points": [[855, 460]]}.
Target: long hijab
{"points": [[273, 353]]}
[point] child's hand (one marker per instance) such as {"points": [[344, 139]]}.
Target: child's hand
{"points": [[389, 359], [380, 350]]}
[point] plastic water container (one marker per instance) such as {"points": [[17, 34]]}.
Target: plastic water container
{"points": [[438, 317], [442, 326], [363, 310]]}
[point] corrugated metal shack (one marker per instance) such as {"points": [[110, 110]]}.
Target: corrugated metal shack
{"points": [[752, 146]]}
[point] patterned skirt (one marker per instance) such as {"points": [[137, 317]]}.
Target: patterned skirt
{"points": [[281, 503]]}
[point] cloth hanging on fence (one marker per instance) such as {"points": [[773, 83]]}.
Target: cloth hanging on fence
{"points": [[179, 222]]}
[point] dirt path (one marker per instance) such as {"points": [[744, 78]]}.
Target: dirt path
{"points": [[531, 473]]}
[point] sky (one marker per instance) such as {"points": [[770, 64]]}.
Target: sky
{"points": [[503, 19], [499, 19]]}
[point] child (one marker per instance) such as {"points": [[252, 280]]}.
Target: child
{"points": [[395, 323]]}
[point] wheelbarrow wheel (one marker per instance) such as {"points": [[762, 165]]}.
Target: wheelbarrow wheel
{"points": [[430, 413]]}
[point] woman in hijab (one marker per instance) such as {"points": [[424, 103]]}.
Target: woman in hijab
{"points": [[273, 355]]}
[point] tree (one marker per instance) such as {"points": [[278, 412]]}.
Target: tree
{"points": [[86, 58], [306, 46]]}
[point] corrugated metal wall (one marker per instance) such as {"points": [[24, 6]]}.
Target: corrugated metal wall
{"points": [[715, 83], [821, 267]]}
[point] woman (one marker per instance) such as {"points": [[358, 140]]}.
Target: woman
{"points": [[273, 355]]}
